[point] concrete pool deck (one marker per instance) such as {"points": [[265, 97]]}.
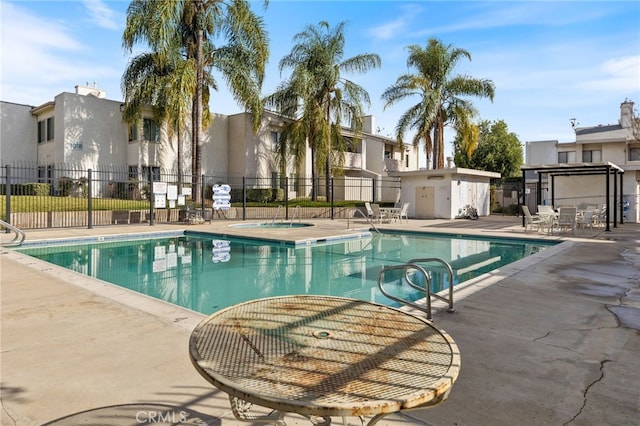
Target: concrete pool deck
{"points": [[552, 339]]}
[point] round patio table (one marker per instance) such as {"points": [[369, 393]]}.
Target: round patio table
{"points": [[321, 356]]}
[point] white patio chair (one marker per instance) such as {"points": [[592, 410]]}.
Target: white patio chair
{"points": [[585, 220], [531, 221], [402, 213], [377, 214], [367, 205], [566, 219]]}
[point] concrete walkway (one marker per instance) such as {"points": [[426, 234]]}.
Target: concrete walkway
{"points": [[550, 340]]}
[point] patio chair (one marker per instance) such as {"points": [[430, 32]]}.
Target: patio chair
{"points": [[566, 219], [585, 220], [367, 205], [532, 221], [600, 216], [377, 214], [402, 213]]}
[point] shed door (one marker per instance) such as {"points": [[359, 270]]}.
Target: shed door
{"points": [[425, 202]]}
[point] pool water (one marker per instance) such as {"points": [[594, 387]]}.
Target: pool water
{"points": [[207, 273]]}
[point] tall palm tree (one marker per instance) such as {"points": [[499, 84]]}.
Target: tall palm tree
{"points": [[166, 83], [319, 98], [197, 24], [440, 95]]}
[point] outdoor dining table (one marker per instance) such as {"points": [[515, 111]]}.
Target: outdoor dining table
{"points": [[323, 356], [390, 212]]}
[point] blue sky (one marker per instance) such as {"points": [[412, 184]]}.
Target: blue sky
{"points": [[550, 60]]}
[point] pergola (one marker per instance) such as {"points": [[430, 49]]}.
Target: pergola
{"points": [[607, 169]]}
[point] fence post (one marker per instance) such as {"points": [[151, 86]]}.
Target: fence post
{"points": [[286, 196], [202, 193], [244, 198], [89, 199], [375, 190], [8, 192], [152, 195], [332, 191]]}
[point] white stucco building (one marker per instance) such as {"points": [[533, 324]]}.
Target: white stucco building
{"points": [[618, 144], [86, 130]]}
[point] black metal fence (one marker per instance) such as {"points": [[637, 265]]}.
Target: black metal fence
{"points": [[34, 196], [506, 196]]}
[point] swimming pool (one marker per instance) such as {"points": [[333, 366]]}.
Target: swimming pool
{"points": [[205, 272]]}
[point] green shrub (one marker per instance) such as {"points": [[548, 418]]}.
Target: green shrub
{"points": [[277, 194], [259, 195], [65, 186]]}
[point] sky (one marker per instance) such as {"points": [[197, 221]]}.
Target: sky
{"points": [[550, 61]]}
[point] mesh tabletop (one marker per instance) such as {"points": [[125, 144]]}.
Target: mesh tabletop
{"points": [[325, 356]]}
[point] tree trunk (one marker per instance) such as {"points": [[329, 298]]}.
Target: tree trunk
{"points": [[314, 175], [180, 160], [197, 125], [328, 165]]}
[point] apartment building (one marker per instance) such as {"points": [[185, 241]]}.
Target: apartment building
{"points": [[85, 129], [616, 144]]}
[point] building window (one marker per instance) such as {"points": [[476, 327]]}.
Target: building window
{"points": [[275, 138], [352, 145], [42, 131], [151, 130], [634, 154], [406, 160], [133, 132], [50, 131], [133, 172], [155, 173], [567, 157], [593, 156]]}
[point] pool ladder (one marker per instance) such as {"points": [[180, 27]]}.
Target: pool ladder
{"points": [[296, 213], [410, 270], [18, 238], [354, 211]]}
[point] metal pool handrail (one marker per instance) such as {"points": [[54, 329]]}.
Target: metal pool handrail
{"points": [[364, 216], [406, 268], [450, 270], [276, 215], [17, 239], [411, 266], [296, 212]]}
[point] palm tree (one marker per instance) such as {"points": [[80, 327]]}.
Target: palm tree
{"points": [[466, 140], [195, 25], [319, 98], [439, 93], [166, 83]]}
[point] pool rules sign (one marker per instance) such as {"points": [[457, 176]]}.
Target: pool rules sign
{"points": [[221, 198]]}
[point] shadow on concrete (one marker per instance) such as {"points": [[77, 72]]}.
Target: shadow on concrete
{"points": [[145, 413]]}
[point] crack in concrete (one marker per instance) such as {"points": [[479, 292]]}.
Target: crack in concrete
{"points": [[586, 391], [6, 412]]}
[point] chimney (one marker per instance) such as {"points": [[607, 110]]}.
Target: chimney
{"points": [[370, 124], [91, 91], [626, 114]]}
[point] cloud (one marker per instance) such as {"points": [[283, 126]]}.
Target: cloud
{"points": [[619, 74], [396, 27], [489, 15], [102, 15], [40, 57]]}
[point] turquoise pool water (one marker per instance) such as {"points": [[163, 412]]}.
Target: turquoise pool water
{"points": [[206, 273]]}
